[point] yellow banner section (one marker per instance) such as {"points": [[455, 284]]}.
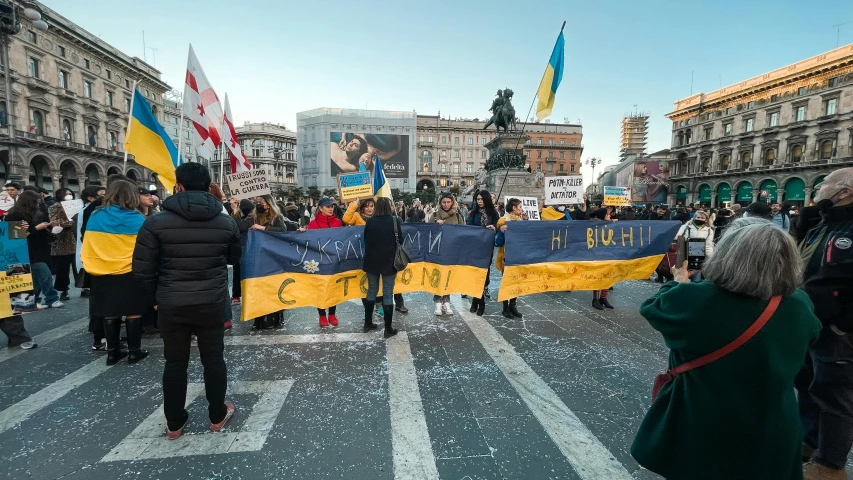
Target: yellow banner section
{"points": [[12, 284], [522, 280], [265, 295]]}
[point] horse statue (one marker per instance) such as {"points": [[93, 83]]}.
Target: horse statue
{"points": [[503, 113]]}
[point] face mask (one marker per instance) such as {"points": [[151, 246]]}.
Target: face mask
{"points": [[561, 208], [260, 208], [827, 203], [699, 223], [791, 212], [69, 197]]}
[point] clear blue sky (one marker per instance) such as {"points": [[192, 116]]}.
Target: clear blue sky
{"points": [[276, 58]]}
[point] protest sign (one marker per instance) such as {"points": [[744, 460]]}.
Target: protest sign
{"points": [[15, 272], [72, 207], [355, 186], [558, 256], [248, 184], [617, 196], [564, 190], [529, 204]]}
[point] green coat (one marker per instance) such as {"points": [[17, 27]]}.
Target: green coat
{"points": [[735, 418]]}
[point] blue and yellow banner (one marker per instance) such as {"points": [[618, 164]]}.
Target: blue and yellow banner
{"points": [[322, 268], [556, 256]]}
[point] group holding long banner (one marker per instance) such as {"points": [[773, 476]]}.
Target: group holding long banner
{"points": [[322, 268]]}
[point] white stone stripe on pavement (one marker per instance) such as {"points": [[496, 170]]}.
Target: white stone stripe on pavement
{"points": [[590, 459], [24, 409], [413, 455], [148, 440], [47, 337], [249, 340]]}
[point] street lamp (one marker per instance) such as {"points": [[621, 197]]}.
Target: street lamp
{"points": [[11, 25], [592, 162]]}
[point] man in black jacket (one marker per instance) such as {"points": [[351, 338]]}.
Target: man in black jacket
{"points": [[181, 259], [825, 384]]}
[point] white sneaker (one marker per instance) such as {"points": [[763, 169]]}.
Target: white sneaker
{"points": [[438, 309], [41, 306], [57, 304], [447, 309], [28, 345]]}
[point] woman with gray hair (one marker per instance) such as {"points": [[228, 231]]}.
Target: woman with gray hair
{"points": [[733, 414]]}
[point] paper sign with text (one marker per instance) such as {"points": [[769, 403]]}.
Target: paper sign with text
{"points": [[564, 190], [248, 184], [529, 204], [15, 271], [617, 196], [72, 207], [355, 186]]}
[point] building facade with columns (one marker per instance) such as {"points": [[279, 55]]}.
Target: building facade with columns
{"points": [[270, 147], [773, 137], [68, 106], [450, 151]]}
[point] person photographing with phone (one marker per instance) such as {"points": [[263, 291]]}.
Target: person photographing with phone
{"points": [[696, 243]]}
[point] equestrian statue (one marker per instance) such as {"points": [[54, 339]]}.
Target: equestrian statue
{"points": [[503, 113]]}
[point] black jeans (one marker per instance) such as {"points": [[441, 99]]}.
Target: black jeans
{"points": [[825, 396], [14, 329], [62, 265], [236, 290], [177, 324]]}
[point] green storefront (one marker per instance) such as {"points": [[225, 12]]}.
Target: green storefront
{"points": [[724, 193], [744, 193], [681, 195], [795, 190], [770, 187], [705, 194]]}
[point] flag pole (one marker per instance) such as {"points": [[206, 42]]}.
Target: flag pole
{"points": [[221, 149], [524, 124], [129, 123]]}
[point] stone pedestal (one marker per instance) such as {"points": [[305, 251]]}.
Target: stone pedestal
{"points": [[507, 150]]}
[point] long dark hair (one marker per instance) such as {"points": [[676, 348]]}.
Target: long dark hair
{"points": [[384, 208], [27, 206], [488, 205]]}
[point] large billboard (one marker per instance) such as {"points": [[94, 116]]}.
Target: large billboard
{"points": [[650, 182], [353, 152]]}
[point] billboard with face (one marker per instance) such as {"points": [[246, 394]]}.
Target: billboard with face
{"points": [[650, 182], [353, 152]]}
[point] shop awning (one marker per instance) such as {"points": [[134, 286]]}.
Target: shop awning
{"points": [[795, 190], [744, 192], [724, 192], [770, 186], [705, 193]]}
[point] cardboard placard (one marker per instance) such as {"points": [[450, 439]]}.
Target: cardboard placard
{"points": [[72, 207], [617, 196], [355, 186], [566, 190], [248, 184], [529, 204]]}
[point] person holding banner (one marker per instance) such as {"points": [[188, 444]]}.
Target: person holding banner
{"points": [[447, 213], [267, 217], [359, 212], [514, 212], [599, 297], [64, 245], [382, 233], [326, 218], [483, 215]]}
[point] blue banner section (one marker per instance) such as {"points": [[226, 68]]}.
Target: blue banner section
{"points": [[550, 242], [333, 251], [14, 254]]}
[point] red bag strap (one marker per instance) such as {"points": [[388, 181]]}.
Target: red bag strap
{"points": [[735, 344]]}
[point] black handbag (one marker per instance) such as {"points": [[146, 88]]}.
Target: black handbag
{"points": [[401, 256]]}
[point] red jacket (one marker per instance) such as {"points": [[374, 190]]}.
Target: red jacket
{"points": [[322, 221]]}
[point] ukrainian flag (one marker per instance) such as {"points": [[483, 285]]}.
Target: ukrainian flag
{"points": [[149, 143], [380, 183], [551, 80], [110, 240]]}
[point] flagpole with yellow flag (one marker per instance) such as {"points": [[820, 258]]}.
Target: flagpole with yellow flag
{"points": [[129, 124], [546, 92]]}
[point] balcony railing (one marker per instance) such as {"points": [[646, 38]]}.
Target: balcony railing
{"points": [[44, 139]]}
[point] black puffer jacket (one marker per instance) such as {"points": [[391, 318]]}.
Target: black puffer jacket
{"points": [[182, 253]]}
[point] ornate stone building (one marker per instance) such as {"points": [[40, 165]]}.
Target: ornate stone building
{"points": [[70, 98], [272, 147], [451, 151], [774, 136]]}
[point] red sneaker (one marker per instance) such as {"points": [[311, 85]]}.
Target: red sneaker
{"points": [[333, 319], [235, 300], [228, 325], [176, 434], [323, 321], [229, 412]]}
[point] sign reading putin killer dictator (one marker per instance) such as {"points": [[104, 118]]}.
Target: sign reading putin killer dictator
{"points": [[321, 268], [564, 190], [355, 186], [248, 184], [560, 256]]}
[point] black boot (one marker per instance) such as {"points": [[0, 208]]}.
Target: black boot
{"points": [[506, 313], [513, 308], [474, 303], [597, 304], [134, 341], [389, 317], [604, 303], [481, 307], [368, 315], [111, 331]]}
